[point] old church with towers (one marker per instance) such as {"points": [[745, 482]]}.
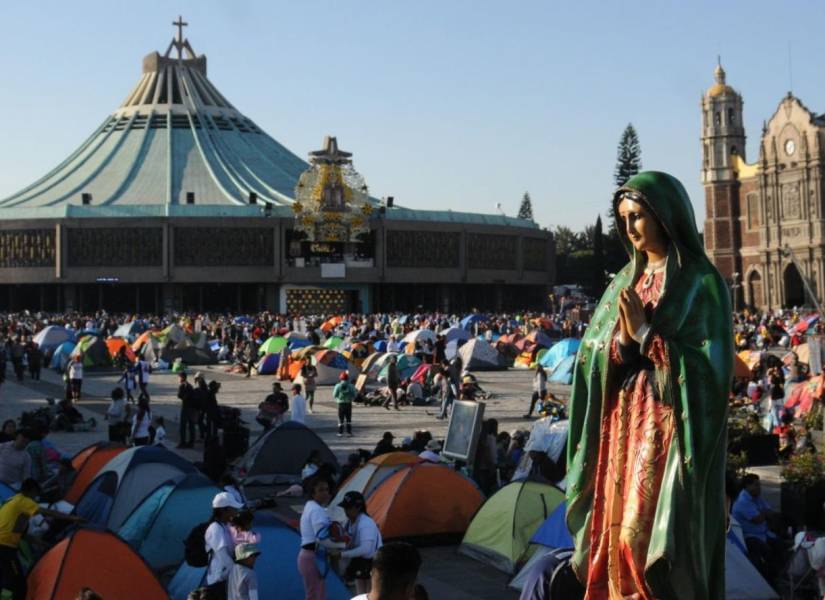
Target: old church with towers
{"points": [[764, 227]]}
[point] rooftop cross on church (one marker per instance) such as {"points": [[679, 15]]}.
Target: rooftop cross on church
{"points": [[180, 24]]}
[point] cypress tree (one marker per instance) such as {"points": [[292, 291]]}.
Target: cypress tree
{"points": [[525, 211]]}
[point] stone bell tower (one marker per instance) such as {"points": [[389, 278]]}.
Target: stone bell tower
{"points": [[723, 146]]}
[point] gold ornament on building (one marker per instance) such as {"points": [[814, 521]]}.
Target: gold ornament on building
{"points": [[331, 198]]}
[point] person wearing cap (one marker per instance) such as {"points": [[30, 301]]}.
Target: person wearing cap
{"points": [[297, 405], [344, 393], [218, 540], [365, 540], [430, 453], [243, 583], [314, 521]]}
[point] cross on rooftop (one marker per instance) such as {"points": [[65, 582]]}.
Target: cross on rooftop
{"points": [[180, 24]]}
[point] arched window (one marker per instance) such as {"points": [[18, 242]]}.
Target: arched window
{"points": [[731, 117], [717, 118], [733, 151]]}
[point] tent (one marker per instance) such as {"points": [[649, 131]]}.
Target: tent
{"points": [[330, 365], [380, 346], [125, 481], [144, 338], [273, 345], [560, 350], [423, 501], [357, 353], [94, 351], [333, 342], [268, 364], [166, 516], [477, 355], [371, 364], [534, 341], [563, 373], [423, 373], [130, 331], [500, 532], [96, 559], [61, 355], [51, 337], [174, 334], [419, 336], [87, 464], [369, 477], [114, 344], [470, 320], [455, 334], [279, 454], [331, 324], [277, 576], [407, 365]]}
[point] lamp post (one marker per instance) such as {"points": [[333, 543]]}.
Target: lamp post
{"points": [[734, 287]]}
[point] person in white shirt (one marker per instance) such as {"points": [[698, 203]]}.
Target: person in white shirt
{"points": [[393, 345], [365, 540], [297, 405], [74, 370], [431, 452], [218, 541], [160, 431], [242, 582], [314, 520], [394, 571], [144, 368], [141, 422]]}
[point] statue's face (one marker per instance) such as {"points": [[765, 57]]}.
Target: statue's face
{"points": [[641, 227]]}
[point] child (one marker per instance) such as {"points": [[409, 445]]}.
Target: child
{"points": [[160, 431], [243, 583], [241, 529]]}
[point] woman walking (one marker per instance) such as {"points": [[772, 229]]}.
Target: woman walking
{"points": [[314, 521]]}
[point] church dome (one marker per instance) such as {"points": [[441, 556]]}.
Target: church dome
{"points": [[720, 87]]}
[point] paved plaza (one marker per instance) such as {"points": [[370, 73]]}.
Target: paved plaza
{"points": [[445, 573]]}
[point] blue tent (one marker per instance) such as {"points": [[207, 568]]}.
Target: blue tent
{"points": [[125, 481], [468, 321], [563, 373], [560, 350], [455, 334], [166, 516], [295, 343], [553, 532], [51, 337], [268, 365], [276, 569], [380, 346], [60, 358]]}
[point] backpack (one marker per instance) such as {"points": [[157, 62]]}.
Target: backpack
{"points": [[194, 546]]}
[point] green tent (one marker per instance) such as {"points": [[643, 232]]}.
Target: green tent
{"points": [[500, 532], [273, 345], [333, 342], [94, 351]]}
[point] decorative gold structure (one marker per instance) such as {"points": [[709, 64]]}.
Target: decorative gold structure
{"points": [[331, 199]]}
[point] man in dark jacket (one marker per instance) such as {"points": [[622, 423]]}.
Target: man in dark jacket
{"points": [[393, 381], [200, 396], [188, 412]]}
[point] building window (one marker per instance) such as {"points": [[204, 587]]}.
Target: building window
{"points": [[717, 118], [731, 117]]}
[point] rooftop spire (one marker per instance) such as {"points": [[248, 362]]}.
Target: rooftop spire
{"points": [[719, 72], [180, 43]]}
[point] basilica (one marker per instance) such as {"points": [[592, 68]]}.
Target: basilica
{"points": [[765, 220]]}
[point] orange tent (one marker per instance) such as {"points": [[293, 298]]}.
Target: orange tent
{"points": [[424, 500], [96, 559], [331, 324], [115, 344], [87, 464], [142, 339]]}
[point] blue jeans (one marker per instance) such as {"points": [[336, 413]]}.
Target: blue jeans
{"points": [[446, 401]]}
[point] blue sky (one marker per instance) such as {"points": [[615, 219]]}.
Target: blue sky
{"points": [[446, 104]]}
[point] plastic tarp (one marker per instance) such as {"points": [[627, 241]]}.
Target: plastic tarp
{"points": [[278, 578], [477, 355], [500, 533], [558, 352], [280, 454]]}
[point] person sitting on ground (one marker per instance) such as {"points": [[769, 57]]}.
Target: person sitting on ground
{"points": [[394, 571], [241, 528], [218, 542], [415, 394], [431, 452], [243, 582], [14, 518], [271, 411], [420, 440], [15, 462], [365, 540], [385, 446], [160, 431], [312, 465], [752, 513]]}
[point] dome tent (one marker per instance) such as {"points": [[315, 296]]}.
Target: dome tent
{"points": [[500, 533], [49, 338], [95, 559], [125, 481], [279, 455], [426, 500], [87, 463], [268, 364], [478, 355], [369, 477], [166, 516]]}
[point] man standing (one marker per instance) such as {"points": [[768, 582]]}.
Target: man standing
{"points": [[144, 368], [344, 393], [200, 402], [15, 462], [188, 412], [75, 372], [297, 405], [35, 360], [393, 381]]}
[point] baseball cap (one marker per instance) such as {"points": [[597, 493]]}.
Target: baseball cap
{"points": [[243, 551], [225, 500], [352, 499]]}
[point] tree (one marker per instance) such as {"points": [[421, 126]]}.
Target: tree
{"points": [[525, 211], [629, 156], [568, 241]]}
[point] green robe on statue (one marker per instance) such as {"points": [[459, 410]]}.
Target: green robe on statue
{"points": [[685, 557]]}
